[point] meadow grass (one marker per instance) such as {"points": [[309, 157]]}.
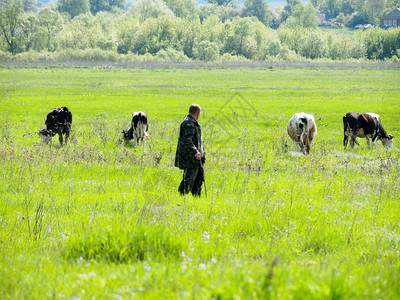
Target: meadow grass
{"points": [[102, 219]]}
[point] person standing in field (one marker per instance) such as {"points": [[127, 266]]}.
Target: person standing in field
{"points": [[190, 155]]}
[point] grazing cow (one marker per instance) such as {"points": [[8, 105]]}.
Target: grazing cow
{"points": [[139, 127], [59, 122], [302, 130], [367, 126]]}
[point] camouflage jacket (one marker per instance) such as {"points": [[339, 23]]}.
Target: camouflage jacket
{"points": [[189, 143]]}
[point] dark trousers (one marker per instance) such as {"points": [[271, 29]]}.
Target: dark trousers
{"points": [[192, 181]]}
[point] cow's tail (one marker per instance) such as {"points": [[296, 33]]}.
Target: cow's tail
{"points": [[304, 130]]}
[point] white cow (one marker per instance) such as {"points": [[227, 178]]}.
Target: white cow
{"points": [[302, 130], [139, 127]]}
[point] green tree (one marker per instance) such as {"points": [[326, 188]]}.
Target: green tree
{"points": [[206, 50], [51, 23], [183, 8], [369, 11], [157, 34], [29, 5], [30, 27], [314, 47], [11, 23], [304, 15], [146, 9], [391, 5], [221, 2], [188, 35], [258, 9], [289, 9], [222, 12], [73, 7], [127, 34], [106, 5], [239, 37]]}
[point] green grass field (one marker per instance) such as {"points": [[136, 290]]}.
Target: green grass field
{"points": [[100, 219]]}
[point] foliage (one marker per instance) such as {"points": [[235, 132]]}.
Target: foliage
{"points": [[289, 9], [178, 27], [222, 12], [258, 9], [146, 9], [381, 44], [183, 8], [171, 55], [11, 23], [314, 46], [304, 15], [73, 7], [206, 50], [29, 5], [106, 5], [51, 23]]}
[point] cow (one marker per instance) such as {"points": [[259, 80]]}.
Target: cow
{"points": [[365, 125], [59, 122], [302, 130], [139, 127]]}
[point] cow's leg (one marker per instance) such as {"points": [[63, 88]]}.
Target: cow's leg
{"points": [[299, 145], [369, 142], [375, 139], [352, 142], [60, 135], [345, 140], [67, 132]]}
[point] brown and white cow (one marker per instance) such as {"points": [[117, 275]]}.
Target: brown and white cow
{"points": [[59, 122], [365, 125], [139, 127], [302, 130]]}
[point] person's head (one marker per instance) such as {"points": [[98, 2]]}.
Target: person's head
{"points": [[195, 111]]}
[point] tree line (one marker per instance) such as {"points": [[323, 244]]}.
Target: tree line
{"points": [[182, 30]]}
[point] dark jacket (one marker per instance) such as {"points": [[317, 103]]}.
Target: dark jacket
{"points": [[189, 143]]}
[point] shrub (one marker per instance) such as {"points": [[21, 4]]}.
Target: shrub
{"points": [[171, 55], [88, 55], [5, 56], [314, 46], [206, 50]]}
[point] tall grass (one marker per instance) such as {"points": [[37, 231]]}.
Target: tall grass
{"points": [[100, 218]]}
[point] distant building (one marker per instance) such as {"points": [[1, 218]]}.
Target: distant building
{"points": [[321, 17], [392, 19]]}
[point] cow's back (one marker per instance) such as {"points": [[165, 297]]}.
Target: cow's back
{"points": [[299, 123]]}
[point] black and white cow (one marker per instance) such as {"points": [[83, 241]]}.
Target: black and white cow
{"points": [[302, 130], [59, 122], [139, 127], [365, 125]]}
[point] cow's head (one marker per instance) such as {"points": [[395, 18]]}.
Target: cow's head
{"points": [[388, 142], [128, 135], [46, 136]]}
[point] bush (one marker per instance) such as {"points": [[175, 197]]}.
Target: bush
{"points": [[5, 56], [314, 46], [171, 55], [88, 55], [206, 50]]}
